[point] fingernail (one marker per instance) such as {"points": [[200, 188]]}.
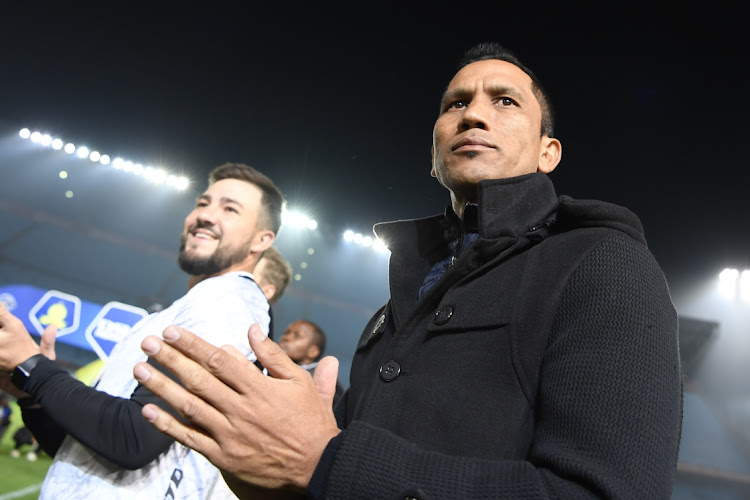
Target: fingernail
{"points": [[141, 373], [150, 346], [171, 334], [256, 332], [148, 413]]}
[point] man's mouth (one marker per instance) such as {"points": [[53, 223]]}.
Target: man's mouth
{"points": [[471, 144], [203, 234]]}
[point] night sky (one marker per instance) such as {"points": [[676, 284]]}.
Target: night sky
{"points": [[336, 102]]}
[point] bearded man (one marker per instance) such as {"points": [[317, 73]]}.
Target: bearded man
{"points": [[102, 446]]}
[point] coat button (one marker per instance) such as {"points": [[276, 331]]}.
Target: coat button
{"points": [[389, 371], [444, 314]]}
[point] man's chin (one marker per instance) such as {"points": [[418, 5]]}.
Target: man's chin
{"points": [[197, 266]]}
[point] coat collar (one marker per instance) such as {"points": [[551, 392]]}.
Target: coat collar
{"points": [[506, 208]]}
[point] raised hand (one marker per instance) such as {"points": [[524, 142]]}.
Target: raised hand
{"points": [[47, 342], [266, 431], [16, 345]]}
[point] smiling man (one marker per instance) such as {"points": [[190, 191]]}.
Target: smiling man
{"points": [[528, 349], [102, 446]]}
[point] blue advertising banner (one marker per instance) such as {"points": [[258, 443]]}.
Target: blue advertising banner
{"points": [[80, 323]]}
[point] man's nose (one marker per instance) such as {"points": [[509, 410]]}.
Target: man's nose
{"points": [[206, 216], [475, 116]]}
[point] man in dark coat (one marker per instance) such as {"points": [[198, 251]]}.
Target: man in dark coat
{"points": [[528, 350]]}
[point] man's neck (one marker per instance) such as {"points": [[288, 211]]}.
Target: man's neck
{"points": [[194, 280], [459, 204]]}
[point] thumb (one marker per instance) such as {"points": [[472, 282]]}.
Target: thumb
{"points": [[5, 315], [47, 342], [325, 376], [271, 356]]}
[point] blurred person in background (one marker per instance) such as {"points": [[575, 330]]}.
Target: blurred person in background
{"points": [[305, 342]]}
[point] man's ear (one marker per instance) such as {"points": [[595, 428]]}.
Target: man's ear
{"points": [[550, 154], [313, 352], [269, 290], [262, 241]]}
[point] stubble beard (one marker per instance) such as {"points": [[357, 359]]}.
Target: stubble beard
{"points": [[222, 258]]}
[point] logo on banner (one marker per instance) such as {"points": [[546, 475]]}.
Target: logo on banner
{"points": [[111, 325], [56, 308], [9, 301]]}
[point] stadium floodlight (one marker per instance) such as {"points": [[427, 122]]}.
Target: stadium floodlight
{"points": [[379, 245], [365, 241], [63, 174], [728, 283], [158, 176], [155, 175], [297, 219]]}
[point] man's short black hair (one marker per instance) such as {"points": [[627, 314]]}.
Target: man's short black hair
{"points": [[493, 50], [272, 200], [319, 337]]}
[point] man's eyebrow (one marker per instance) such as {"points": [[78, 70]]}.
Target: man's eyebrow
{"points": [[225, 200], [508, 91], [462, 93], [454, 95]]}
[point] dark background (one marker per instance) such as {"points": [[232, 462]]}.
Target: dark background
{"points": [[336, 102]]}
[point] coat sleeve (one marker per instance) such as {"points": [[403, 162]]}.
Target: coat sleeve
{"points": [[608, 410]]}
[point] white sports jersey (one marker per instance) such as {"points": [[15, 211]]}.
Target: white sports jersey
{"points": [[218, 309]]}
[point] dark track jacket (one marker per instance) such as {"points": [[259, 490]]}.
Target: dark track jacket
{"points": [[543, 364]]}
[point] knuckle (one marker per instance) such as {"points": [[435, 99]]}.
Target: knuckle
{"points": [[217, 360], [198, 382], [190, 408], [188, 439]]}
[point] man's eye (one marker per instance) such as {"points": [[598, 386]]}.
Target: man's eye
{"points": [[457, 104], [506, 101], [231, 209]]}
